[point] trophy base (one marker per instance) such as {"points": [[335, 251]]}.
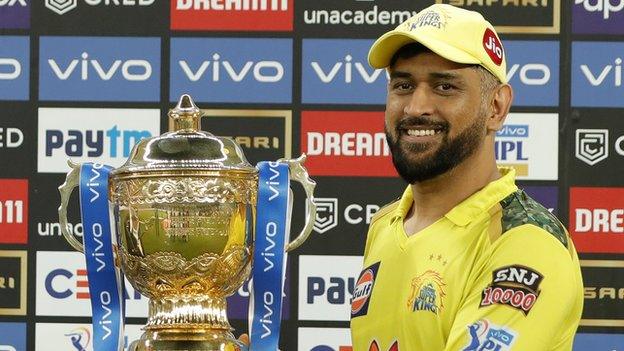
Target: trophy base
{"points": [[187, 340]]}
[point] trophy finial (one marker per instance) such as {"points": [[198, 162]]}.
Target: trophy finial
{"points": [[186, 115]]}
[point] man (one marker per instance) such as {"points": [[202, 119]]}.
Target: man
{"points": [[464, 260]]}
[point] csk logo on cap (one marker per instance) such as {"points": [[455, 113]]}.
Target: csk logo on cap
{"points": [[363, 290], [431, 19], [493, 46]]}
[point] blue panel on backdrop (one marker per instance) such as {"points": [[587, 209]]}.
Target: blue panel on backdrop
{"points": [[597, 74], [598, 342], [533, 72], [99, 69], [14, 68], [13, 336], [231, 69], [336, 71]]}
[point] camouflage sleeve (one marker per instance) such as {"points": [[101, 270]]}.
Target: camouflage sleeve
{"points": [[527, 296]]}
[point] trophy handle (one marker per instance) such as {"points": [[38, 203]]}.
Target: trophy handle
{"points": [[299, 174], [71, 181]]}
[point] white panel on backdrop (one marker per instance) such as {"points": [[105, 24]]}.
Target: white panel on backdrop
{"points": [[62, 288], [72, 337], [324, 339], [530, 143], [326, 285], [103, 135]]}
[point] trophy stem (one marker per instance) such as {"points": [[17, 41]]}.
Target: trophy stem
{"points": [[187, 312]]}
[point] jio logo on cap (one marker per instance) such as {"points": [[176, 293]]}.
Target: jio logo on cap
{"points": [[493, 46]]}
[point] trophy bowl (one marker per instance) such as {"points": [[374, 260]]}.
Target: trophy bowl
{"points": [[184, 211]]}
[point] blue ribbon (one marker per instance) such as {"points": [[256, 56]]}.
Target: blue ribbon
{"points": [[105, 281], [272, 227]]}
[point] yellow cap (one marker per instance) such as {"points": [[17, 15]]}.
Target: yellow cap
{"points": [[456, 34]]}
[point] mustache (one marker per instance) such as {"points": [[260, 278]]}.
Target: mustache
{"points": [[420, 121]]}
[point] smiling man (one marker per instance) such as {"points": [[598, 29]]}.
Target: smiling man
{"points": [[464, 260]]}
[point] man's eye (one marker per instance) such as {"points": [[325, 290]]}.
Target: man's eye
{"points": [[402, 86], [445, 87]]}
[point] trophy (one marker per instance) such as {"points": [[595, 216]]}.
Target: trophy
{"points": [[184, 211]]}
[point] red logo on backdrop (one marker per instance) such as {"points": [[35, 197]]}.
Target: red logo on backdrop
{"points": [[493, 46], [341, 143], [234, 15], [597, 219], [13, 211]]}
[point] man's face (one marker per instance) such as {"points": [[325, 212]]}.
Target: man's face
{"points": [[435, 117]]}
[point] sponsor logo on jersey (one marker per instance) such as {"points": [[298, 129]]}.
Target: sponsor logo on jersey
{"points": [[14, 68], [13, 278], [221, 69], [597, 219], [108, 138], [14, 211], [15, 14], [597, 79], [363, 290], [13, 336], [515, 286], [336, 71], [484, 336], [99, 69], [375, 347], [427, 292], [529, 142], [345, 143], [326, 286], [516, 16], [63, 287], [533, 71], [232, 15], [598, 16], [324, 339]]}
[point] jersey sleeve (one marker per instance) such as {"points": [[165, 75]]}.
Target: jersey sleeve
{"points": [[527, 295]]}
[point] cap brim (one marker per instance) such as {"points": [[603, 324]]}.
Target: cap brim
{"points": [[388, 44]]}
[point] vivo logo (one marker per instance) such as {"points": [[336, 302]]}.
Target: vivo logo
{"points": [[611, 71], [514, 130], [345, 70], [10, 68], [131, 70], [261, 71], [13, 2], [92, 143], [604, 6], [530, 73]]}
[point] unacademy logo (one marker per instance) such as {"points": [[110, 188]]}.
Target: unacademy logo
{"points": [[61, 6]]}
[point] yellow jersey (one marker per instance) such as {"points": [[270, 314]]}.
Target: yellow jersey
{"points": [[497, 272]]}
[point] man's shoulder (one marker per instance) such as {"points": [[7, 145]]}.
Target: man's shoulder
{"points": [[385, 211], [519, 209]]}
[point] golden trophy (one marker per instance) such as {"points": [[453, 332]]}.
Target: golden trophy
{"points": [[184, 209]]}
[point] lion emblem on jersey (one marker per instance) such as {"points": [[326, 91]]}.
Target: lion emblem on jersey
{"points": [[427, 292]]}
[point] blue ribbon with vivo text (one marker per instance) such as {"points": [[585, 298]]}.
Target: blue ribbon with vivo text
{"points": [[272, 229], [105, 281]]}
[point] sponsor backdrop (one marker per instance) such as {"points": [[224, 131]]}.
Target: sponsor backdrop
{"points": [[87, 79]]}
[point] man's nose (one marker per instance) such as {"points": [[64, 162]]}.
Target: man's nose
{"points": [[420, 103]]}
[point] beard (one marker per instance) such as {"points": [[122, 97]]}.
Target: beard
{"points": [[449, 154]]}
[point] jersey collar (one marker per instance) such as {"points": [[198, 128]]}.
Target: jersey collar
{"points": [[474, 205]]}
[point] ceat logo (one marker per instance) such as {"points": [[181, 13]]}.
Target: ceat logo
{"points": [[13, 211], [604, 6], [61, 7], [493, 46], [341, 143], [597, 219], [592, 145], [232, 15]]}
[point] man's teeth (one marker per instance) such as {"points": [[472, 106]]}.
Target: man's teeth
{"points": [[422, 132]]}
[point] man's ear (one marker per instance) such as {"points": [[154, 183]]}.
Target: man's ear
{"points": [[499, 107]]}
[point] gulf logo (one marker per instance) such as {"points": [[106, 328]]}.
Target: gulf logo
{"points": [[362, 291]]}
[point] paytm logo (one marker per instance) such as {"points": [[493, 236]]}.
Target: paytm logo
{"points": [[99, 69], [597, 78], [232, 69], [598, 16], [326, 285], [14, 68], [336, 71], [604, 7], [533, 71], [107, 138], [63, 287]]}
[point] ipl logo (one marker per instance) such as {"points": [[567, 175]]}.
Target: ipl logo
{"points": [[80, 338], [592, 145], [61, 6], [485, 336]]}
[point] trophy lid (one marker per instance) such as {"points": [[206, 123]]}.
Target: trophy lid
{"points": [[186, 147]]}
